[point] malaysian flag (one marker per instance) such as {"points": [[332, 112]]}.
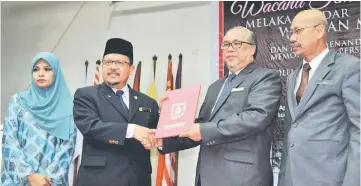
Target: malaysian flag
{"points": [[167, 163]]}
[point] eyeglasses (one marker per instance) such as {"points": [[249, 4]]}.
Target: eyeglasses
{"points": [[235, 44], [298, 31], [117, 63]]}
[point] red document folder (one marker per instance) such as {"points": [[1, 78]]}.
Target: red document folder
{"points": [[178, 111]]}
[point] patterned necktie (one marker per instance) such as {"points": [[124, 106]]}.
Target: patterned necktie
{"points": [[226, 88], [120, 96], [304, 81]]}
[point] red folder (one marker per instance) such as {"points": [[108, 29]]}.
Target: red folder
{"points": [[178, 111]]}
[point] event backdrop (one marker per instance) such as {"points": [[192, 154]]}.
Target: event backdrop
{"points": [[270, 20]]}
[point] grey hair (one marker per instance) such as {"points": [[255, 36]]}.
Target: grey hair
{"points": [[251, 38], [324, 22]]}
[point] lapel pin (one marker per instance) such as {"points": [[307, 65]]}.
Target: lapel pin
{"points": [[109, 96], [135, 97]]}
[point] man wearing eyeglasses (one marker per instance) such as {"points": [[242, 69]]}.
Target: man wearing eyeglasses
{"points": [[234, 125], [322, 124], [115, 121]]}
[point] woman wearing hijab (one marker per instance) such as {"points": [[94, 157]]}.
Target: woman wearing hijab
{"points": [[39, 133]]}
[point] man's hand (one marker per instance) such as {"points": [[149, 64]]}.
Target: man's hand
{"points": [[159, 142], [194, 133], [145, 136], [37, 179]]}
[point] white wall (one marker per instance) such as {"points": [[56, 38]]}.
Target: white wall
{"points": [[154, 30]]}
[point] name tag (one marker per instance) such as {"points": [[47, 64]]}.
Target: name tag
{"points": [[237, 89], [144, 109]]}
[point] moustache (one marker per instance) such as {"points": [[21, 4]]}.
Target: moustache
{"points": [[115, 73], [295, 45]]}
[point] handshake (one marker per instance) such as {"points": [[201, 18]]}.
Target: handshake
{"points": [[146, 137]]}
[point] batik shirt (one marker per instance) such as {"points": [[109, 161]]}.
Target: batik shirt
{"points": [[28, 149]]}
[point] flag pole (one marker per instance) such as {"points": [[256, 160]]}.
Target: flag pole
{"points": [[154, 64], [86, 68], [178, 85], [97, 72]]}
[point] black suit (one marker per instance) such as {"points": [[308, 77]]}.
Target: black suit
{"points": [[108, 157]]}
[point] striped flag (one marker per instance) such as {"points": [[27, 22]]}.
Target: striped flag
{"points": [[167, 163], [136, 83], [97, 73], [152, 92], [178, 85]]}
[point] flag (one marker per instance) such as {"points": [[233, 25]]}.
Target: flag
{"points": [[75, 163], [167, 168], [97, 73], [152, 91], [178, 85], [136, 83], [178, 79]]}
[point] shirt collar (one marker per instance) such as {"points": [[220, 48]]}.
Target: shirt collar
{"points": [[125, 89], [236, 72], [315, 62]]}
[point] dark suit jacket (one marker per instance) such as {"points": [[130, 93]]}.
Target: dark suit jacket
{"points": [[236, 137], [108, 158]]}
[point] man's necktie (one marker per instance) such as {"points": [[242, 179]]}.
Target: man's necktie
{"points": [[304, 81], [226, 88], [120, 96]]}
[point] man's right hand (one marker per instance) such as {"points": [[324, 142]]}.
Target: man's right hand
{"points": [[37, 179], [145, 136]]}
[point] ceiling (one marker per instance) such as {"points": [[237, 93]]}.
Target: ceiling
{"points": [[22, 4]]}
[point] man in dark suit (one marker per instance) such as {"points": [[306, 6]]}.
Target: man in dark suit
{"points": [[115, 121], [234, 125]]}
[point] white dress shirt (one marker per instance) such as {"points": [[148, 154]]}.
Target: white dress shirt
{"points": [[314, 63], [222, 89], [125, 96]]}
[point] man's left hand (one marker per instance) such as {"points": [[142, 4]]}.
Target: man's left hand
{"points": [[194, 133]]}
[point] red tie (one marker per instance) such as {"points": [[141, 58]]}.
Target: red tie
{"points": [[304, 82]]}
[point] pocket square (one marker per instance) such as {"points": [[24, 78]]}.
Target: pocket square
{"points": [[324, 82], [144, 109], [237, 89]]}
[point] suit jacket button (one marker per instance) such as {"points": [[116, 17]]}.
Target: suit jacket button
{"points": [[295, 125], [292, 144]]}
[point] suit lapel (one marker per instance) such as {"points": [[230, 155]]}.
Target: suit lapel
{"points": [[322, 70], [235, 83], [109, 95], [291, 98], [213, 96], [134, 102]]}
